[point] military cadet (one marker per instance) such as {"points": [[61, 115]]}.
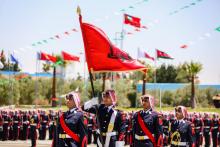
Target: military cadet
{"points": [[198, 130], [147, 125], [207, 129], [71, 131], [11, 114], [25, 125], [44, 122], [52, 120], [1, 125], [218, 130], [111, 131], [34, 125], [166, 125], [94, 129], [6, 125], [130, 130], [214, 130], [181, 131], [90, 128], [16, 122]]}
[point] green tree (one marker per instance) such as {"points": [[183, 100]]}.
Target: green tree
{"points": [[191, 70]]}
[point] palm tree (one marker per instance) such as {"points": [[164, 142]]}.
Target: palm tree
{"points": [[192, 69], [59, 62]]}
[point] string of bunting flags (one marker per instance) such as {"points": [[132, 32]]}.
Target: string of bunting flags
{"points": [[45, 41], [185, 7]]}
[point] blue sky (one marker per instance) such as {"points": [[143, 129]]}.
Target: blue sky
{"points": [[24, 22]]}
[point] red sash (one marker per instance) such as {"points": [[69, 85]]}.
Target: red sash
{"points": [[145, 129], [68, 131]]}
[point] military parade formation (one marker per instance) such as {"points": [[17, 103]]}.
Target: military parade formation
{"points": [[104, 125]]}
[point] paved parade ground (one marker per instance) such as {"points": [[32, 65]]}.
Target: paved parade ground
{"points": [[27, 144]]}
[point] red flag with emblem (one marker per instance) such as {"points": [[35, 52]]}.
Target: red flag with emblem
{"points": [[161, 54], [69, 57], [102, 55], [131, 20]]}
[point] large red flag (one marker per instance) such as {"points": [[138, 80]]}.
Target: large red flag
{"points": [[102, 55], [69, 57], [134, 21], [46, 57]]}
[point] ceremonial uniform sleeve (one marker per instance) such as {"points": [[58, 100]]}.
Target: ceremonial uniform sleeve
{"points": [[56, 134], [190, 135], [122, 127], [134, 121], [82, 130], [91, 109], [159, 130]]}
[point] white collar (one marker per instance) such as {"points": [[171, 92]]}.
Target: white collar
{"points": [[181, 121], [147, 111], [73, 109], [109, 107]]}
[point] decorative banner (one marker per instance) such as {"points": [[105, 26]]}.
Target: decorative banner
{"points": [[184, 46], [185, 7]]}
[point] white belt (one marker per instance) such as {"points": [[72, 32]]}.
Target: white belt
{"points": [[107, 133], [33, 124], [165, 127], [89, 125], [215, 127], [206, 127], [26, 122], [141, 137], [5, 121], [179, 143], [15, 121], [64, 136], [197, 127], [44, 121]]}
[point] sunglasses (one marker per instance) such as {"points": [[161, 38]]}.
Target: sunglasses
{"points": [[179, 110]]}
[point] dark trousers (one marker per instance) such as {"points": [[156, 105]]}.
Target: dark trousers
{"points": [[215, 137], [43, 132], [15, 131], [51, 131], [24, 132], [207, 139], [198, 137], [33, 135], [5, 132], [143, 143], [89, 135]]}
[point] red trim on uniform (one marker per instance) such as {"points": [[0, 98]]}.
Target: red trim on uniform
{"points": [[67, 130], [160, 141], [84, 142], [145, 129]]}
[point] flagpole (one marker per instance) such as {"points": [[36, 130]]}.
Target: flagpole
{"points": [[155, 72], [90, 74], [122, 35], [36, 84]]}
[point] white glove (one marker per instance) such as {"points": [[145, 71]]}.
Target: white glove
{"points": [[119, 144], [90, 103]]}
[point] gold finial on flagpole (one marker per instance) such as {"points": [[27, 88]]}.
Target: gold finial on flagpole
{"points": [[78, 10]]}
